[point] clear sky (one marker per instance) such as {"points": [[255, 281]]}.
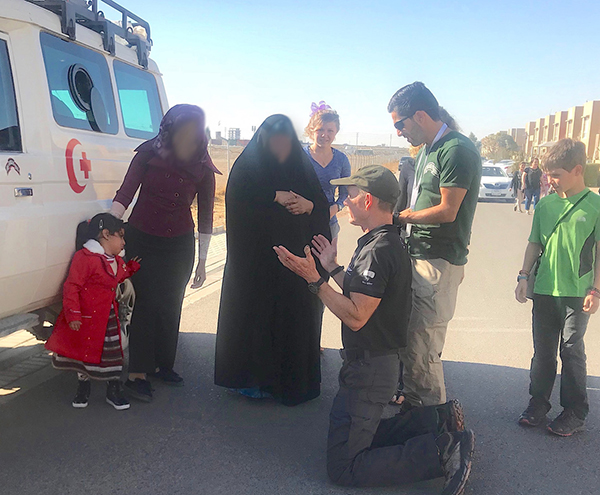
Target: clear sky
{"points": [[492, 64]]}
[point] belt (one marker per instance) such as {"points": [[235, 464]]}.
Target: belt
{"points": [[355, 354]]}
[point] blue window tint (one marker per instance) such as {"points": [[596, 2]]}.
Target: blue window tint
{"points": [[140, 103]]}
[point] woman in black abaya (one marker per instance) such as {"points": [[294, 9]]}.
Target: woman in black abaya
{"points": [[269, 323]]}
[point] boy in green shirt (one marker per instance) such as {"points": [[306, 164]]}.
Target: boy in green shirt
{"points": [[565, 243]]}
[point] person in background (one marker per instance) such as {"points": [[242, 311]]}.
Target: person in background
{"points": [[564, 254], [406, 181], [170, 170], [328, 162], [516, 185], [87, 335], [532, 177], [269, 325], [443, 203], [374, 308]]}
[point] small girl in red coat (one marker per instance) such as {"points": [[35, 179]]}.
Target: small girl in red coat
{"points": [[87, 334]]}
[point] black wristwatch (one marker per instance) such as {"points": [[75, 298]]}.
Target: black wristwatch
{"points": [[315, 287]]}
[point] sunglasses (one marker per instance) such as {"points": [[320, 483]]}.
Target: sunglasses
{"points": [[400, 124]]}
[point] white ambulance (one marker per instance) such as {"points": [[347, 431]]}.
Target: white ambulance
{"points": [[77, 94]]}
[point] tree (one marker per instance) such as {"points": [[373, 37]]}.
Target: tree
{"points": [[476, 141], [499, 146], [208, 134]]}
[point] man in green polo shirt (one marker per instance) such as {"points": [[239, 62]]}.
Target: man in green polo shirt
{"points": [[443, 201], [565, 245]]}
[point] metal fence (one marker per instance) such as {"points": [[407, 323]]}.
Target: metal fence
{"points": [[223, 156]]}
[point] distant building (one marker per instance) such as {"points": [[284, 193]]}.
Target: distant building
{"points": [[519, 135], [529, 137], [560, 125], [581, 123], [234, 134], [590, 128], [218, 140], [574, 122]]}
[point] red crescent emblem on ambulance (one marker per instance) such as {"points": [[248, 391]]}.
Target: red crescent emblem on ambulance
{"points": [[84, 163]]}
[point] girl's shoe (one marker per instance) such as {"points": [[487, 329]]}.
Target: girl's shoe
{"points": [[83, 394], [168, 376], [139, 389], [115, 396]]}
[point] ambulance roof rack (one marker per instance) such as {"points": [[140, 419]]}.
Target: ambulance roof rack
{"points": [[86, 13]]}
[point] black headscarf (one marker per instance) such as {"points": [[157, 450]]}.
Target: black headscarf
{"points": [[257, 175]]}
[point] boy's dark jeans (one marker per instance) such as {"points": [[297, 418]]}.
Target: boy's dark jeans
{"points": [[559, 324]]}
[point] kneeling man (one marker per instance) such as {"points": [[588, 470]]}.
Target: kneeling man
{"points": [[363, 449]]}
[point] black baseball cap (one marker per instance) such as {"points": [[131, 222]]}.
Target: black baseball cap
{"points": [[374, 179]]}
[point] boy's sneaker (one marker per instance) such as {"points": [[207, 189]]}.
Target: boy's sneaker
{"points": [[534, 415], [168, 376], [83, 394], [451, 417], [139, 389], [456, 456], [566, 424], [115, 396]]}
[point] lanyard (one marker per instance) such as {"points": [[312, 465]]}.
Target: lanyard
{"points": [[419, 169], [421, 166]]}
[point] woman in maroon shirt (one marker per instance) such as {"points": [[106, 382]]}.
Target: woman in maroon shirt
{"points": [[170, 171]]}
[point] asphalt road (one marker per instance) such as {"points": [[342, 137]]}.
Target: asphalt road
{"points": [[201, 439]]}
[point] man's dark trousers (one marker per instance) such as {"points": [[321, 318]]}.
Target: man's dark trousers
{"points": [[364, 450], [559, 324]]}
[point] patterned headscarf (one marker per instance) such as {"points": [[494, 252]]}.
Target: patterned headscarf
{"points": [[174, 119]]}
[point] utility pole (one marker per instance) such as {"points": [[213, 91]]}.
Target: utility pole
{"points": [[357, 139]]}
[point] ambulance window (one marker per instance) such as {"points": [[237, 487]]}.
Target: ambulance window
{"points": [[10, 137], [80, 86], [140, 103]]}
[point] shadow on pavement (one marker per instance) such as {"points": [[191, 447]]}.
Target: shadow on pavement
{"points": [[202, 439]]}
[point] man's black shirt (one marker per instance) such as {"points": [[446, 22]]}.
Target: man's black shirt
{"points": [[380, 268], [533, 178]]}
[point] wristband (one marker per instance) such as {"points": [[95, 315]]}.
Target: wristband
{"points": [[524, 272], [594, 292], [522, 277], [336, 271]]}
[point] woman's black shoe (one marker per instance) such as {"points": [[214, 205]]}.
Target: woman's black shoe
{"points": [[115, 396], [83, 394], [168, 376], [139, 389]]}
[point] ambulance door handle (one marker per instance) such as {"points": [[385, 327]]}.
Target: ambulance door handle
{"points": [[22, 192]]}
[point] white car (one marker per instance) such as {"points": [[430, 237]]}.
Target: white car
{"points": [[78, 94], [495, 184]]}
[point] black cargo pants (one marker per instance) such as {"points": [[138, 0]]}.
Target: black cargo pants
{"points": [[362, 449]]}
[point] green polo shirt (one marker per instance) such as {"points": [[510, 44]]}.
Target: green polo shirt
{"points": [[452, 162], [567, 266]]}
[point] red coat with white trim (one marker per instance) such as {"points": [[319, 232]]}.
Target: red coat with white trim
{"points": [[88, 295]]}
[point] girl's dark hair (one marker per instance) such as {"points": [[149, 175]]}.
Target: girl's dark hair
{"points": [[92, 229]]}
